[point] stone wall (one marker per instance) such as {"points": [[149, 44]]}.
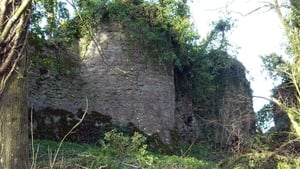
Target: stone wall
{"points": [[282, 131], [228, 116], [286, 94], [116, 83], [110, 77], [186, 123], [236, 113]]}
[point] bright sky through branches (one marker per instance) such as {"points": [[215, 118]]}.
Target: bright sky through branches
{"points": [[256, 34]]}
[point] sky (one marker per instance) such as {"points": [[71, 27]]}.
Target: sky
{"points": [[257, 34]]}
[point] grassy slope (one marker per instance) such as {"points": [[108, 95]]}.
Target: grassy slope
{"points": [[78, 156], [94, 157]]}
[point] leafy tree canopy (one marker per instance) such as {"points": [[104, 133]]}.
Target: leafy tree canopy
{"points": [[276, 66], [264, 117]]}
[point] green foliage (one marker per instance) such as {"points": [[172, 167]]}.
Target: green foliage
{"points": [[47, 18], [290, 71], [264, 117], [259, 143], [128, 148], [89, 15], [62, 65], [124, 144], [276, 66], [175, 162], [205, 73], [263, 152], [92, 11], [199, 151], [73, 155], [263, 160], [217, 38], [162, 31], [109, 155]]}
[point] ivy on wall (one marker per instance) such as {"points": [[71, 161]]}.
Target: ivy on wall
{"points": [[161, 29]]}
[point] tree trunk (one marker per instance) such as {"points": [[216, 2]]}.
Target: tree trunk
{"points": [[13, 91], [13, 126]]}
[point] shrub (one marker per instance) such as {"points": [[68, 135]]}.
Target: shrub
{"points": [[131, 151]]}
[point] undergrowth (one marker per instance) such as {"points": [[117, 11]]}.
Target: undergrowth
{"points": [[116, 151], [263, 153], [119, 151]]}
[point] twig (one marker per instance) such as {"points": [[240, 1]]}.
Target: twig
{"points": [[275, 152], [190, 147], [34, 152], [72, 129], [83, 167], [130, 165], [273, 100], [103, 166]]}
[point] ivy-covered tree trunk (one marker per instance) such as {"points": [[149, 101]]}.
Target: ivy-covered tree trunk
{"points": [[14, 17], [13, 126]]}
